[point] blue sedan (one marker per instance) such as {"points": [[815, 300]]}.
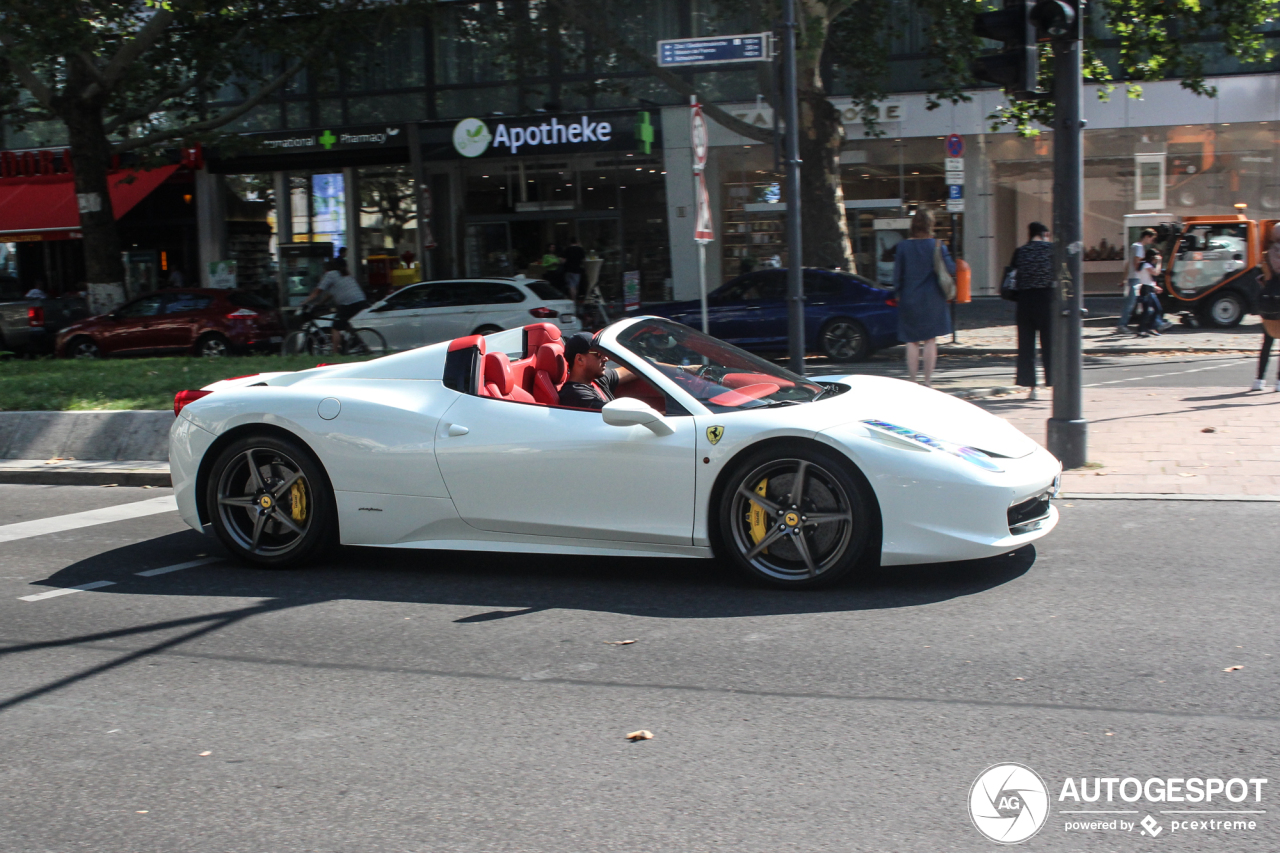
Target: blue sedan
{"points": [[846, 317]]}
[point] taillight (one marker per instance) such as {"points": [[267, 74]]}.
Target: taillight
{"points": [[181, 399], [243, 312], [35, 316], [544, 313], [891, 301]]}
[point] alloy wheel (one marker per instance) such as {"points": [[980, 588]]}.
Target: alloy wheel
{"points": [[792, 519], [843, 340], [214, 347], [85, 348], [265, 502]]}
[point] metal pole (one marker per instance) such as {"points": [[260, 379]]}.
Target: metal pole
{"points": [[1068, 430], [702, 285], [795, 257]]}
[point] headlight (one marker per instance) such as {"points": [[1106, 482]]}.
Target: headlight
{"points": [[969, 454]]}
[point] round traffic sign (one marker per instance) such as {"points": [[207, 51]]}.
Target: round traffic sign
{"points": [[955, 145], [698, 126]]}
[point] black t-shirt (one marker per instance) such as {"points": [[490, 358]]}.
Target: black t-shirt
{"points": [[590, 395], [573, 258]]}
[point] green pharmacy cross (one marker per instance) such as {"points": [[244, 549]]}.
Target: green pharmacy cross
{"points": [[327, 139], [644, 133]]}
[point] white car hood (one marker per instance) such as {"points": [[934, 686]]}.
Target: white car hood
{"points": [[921, 409]]}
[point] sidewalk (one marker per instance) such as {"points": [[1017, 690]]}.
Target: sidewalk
{"points": [[1100, 338], [1173, 441]]}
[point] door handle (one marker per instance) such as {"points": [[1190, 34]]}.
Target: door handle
{"points": [[456, 430]]}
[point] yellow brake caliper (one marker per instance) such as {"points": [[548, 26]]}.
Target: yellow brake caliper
{"points": [[298, 501], [757, 517]]}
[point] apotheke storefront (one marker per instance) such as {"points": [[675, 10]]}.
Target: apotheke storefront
{"points": [[476, 197]]}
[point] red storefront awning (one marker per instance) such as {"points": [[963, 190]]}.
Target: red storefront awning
{"points": [[45, 208]]}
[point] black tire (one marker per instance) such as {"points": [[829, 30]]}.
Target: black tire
{"points": [[369, 341], [487, 330], [1224, 309], [82, 347], [213, 345], [844, 339], [248, 514], [777, 540]]}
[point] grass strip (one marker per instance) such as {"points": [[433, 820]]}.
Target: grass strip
{"points": [[53, 385]]}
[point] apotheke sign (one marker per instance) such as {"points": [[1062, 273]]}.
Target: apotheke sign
{"points": [[473, 137]]}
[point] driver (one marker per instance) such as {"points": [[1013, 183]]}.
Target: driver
{"points": [[589, 385]]}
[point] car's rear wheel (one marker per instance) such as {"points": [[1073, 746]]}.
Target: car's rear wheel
{"points": [[844, 339], [270, 502], [213, 346], [83, 347], [795, 517]]}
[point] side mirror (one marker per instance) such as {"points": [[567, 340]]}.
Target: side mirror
{"points": [[628, 411]]}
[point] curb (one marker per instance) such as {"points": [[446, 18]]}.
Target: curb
{"points": [[1141, 496], [85, 477], [960, 349]]}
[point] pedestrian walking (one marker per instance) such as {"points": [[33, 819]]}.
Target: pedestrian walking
{"points": [[1137, 256], [922, 305], [1148, 295], [1033, 265], [1269, 305], [572, 269]]}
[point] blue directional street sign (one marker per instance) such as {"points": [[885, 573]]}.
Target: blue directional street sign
{"points": [[718, 50], [954, 191]]}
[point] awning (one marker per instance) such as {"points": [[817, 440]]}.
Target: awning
{"points": [[45, 208]]}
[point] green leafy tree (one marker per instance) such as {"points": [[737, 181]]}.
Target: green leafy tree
{"points": [[135, 76]]}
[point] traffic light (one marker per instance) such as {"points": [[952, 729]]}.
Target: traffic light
{"points": [[1014, 68], [1054, 18]]}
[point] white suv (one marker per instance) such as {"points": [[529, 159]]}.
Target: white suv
{"points": [[434, 311]]}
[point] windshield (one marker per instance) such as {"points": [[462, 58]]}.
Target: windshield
{"points": [[722, 377]]}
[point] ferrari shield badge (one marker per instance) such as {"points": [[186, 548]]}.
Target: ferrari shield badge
{"points": [[714, 433]]}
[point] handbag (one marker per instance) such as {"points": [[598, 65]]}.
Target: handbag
{"points": [[946, 283], [1009, 284]]}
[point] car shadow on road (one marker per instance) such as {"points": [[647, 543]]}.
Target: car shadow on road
{"points": [[516, 584]]}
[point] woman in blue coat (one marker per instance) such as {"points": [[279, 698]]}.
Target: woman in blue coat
{"points": [[922, 309]]}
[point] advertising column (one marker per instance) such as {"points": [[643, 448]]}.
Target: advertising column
{"points": [[703, 232]]}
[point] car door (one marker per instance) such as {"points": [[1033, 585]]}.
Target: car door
{"points": [[498, 304], [132, 325], [179, 319], [538, 470], [399, 318], [726, 310], [447, 312], [763, 319]]}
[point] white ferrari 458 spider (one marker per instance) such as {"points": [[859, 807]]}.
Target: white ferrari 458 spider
{"points": [[706, 451]]}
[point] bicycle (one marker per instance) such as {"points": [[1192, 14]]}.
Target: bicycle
{"points": [[314, 338]]}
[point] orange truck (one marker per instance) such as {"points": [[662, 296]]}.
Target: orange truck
{"points": [[1211, 263]]}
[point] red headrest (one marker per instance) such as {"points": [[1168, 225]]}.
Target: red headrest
{"points": [[467, 343], [537, 334], [497, 372], [551, 360]]}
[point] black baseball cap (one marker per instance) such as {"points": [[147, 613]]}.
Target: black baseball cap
{"points": [[579, 343]]}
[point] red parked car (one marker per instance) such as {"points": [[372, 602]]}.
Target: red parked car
{"points": [[202, 322]]}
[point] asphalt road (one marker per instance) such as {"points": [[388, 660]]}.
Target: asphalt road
{"points": [[396, 701], [1181, 370]]}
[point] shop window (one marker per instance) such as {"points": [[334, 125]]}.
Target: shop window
{"points": [[1149, 181]]}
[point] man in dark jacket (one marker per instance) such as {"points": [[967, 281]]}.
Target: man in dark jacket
{"points": [[1033, 261], [572, 269]]}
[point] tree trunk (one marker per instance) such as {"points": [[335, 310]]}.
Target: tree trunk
{"points": [[91, 158], [826, 230]]}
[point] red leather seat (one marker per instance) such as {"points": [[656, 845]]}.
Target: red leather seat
{"points": [[499, 382], [536, 335], [550, 375], [462, 365]]}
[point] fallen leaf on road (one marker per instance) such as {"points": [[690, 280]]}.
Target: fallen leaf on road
{"points": [[1099, 473], [141, 812], [206, 752], [1185, 474], [1110, 734], [1019, 679], [1233, 668], [618, 642], [643, 734], [109, 485], [1208, 429]]}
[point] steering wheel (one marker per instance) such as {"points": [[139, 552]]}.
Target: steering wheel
{"points": [[711, 372]]}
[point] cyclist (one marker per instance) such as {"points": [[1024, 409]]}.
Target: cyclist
{"points": [[339, 285]]}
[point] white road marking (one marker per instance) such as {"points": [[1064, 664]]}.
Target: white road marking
{"points": [[61, 523], [150, 573], [1160, 375], [54, 593]]}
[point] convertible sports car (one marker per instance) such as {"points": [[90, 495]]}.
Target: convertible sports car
{"points": [[707, 451]]}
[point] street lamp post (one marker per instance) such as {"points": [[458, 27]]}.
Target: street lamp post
{"points": [[795, 259], [1067, 429]]}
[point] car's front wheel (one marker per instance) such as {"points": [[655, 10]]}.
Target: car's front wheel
{"points": [[83, 347], [796, 517], [1224, 309], [844, 339], [270, 502]]}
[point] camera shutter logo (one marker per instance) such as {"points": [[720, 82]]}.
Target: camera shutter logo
{"points": [[1008, 803], [471, 137]]}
